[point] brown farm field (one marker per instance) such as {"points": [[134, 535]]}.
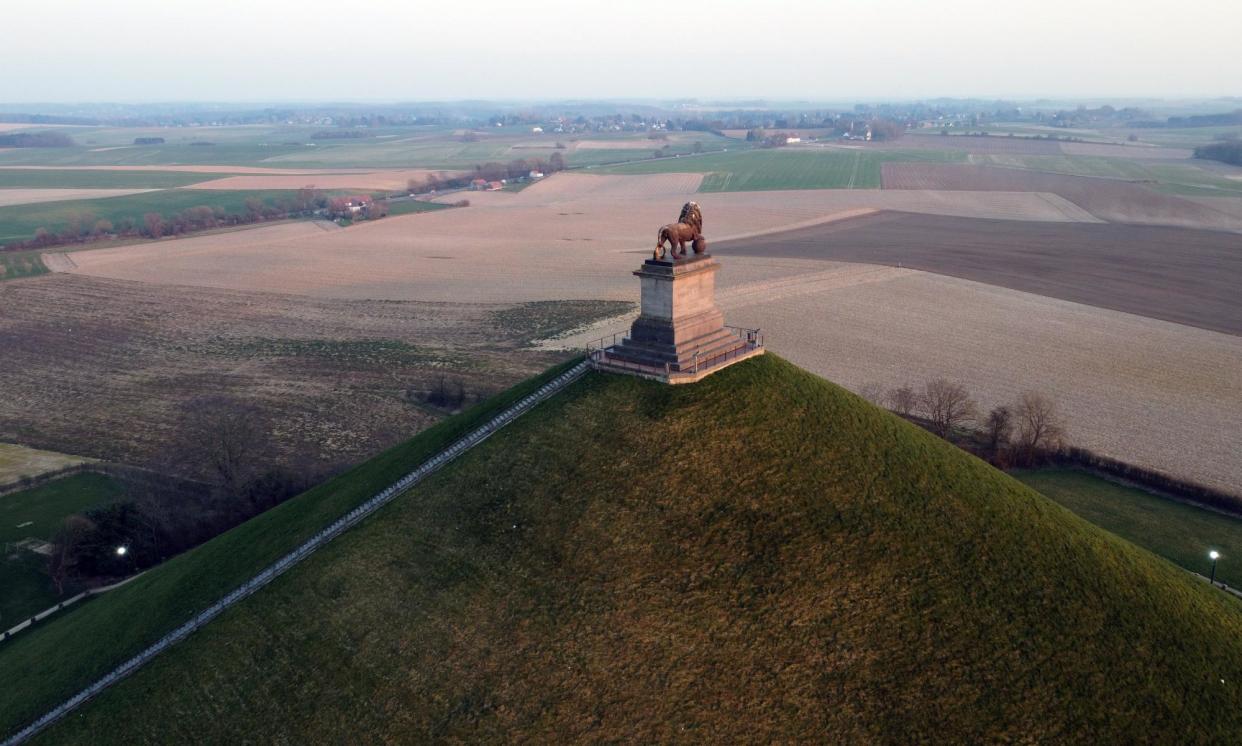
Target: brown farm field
{"points": [[1149, 392], [389, 181], [578, 236], [102, 368], [543, 243], [1108, 199], [1176, 274], [34, 196]]}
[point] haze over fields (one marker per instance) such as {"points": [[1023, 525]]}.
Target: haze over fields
{"points": [[791, 49], [305, 372]]}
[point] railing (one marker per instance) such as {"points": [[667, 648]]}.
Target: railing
{"points": [[271, 572], [597, 352]]}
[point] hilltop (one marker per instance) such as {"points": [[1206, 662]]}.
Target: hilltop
{"points": [[760, 556]]}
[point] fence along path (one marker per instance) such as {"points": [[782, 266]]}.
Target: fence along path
{"points": [[335, 529]]}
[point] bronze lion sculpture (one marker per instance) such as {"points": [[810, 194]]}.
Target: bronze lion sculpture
{"points": [[687, 229]]}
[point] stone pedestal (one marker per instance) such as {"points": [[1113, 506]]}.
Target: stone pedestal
{"points": [[680, 333]]}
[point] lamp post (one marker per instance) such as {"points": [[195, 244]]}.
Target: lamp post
{"points": [[1214, 555]]}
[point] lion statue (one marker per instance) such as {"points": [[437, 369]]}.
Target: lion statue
{"points": [[687, 229]]}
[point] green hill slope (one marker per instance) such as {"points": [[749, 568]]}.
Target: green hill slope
{"points": [[761, 556]]}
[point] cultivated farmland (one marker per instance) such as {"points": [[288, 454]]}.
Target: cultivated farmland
{"points": [[1176, 274], [786, 168], [1149, 392], [102, 367], [1108, 199], [388, 181], [538, 244], [34, 196], [19, 461], [56, 178]]}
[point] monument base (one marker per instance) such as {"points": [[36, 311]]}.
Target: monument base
{"points": [[680, 335]]}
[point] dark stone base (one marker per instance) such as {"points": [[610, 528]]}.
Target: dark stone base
{"points": [[660, 347]]}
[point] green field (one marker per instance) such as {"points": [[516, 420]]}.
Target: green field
{"points": [[296, 147], [1176, 531], [25, 589], [33, 178], [17, 264], [785, 168], [45, 506], [1172, 177], [753, 558], [19, 222], [409, 206]]}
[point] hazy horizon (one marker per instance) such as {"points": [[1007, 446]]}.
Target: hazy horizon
{"points": [[141, 51]]}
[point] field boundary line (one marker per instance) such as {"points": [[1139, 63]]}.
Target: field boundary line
{"points": [[278, 568]]}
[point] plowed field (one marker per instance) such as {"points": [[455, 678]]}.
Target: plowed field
{"points": [[1108, 199], [102, 367], [1176, 274]]}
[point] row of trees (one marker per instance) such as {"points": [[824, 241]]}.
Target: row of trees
{"points": [[1226, 152], [85, 227], [224, 441], [1022, 432], [490, 171], [35, 140]]}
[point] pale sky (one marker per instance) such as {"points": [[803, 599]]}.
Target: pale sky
{"points": [[260, 50]]}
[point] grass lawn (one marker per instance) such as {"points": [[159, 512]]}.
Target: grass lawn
{"points": [[410, 206], [757, 557], [18, 264], [1176, 531], [19, 222], [786, 168], [84, 179], [60, 657], [43, 507], [25, 589]]}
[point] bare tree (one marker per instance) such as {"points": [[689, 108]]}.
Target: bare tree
{"points": [[226, 438], [946, 405], [70, 540], [903, 400], [873, 392], [1039, 425], [999, 427]]}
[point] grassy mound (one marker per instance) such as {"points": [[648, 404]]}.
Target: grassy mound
{"points": [[761, 556]]}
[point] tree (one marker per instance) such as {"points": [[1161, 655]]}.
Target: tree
{"points": [[154, 224], [946, 405], [226, 438], [1039, 425], [903, 400], [70, 540], [886, 129], [874, 393], [556, 162], [102, 228], [998, 426]]}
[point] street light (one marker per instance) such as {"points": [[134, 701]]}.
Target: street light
{"points": [[121, 550], [1214, 555]]}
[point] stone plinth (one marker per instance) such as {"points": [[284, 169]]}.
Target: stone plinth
{"points": [[680, 333]]}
